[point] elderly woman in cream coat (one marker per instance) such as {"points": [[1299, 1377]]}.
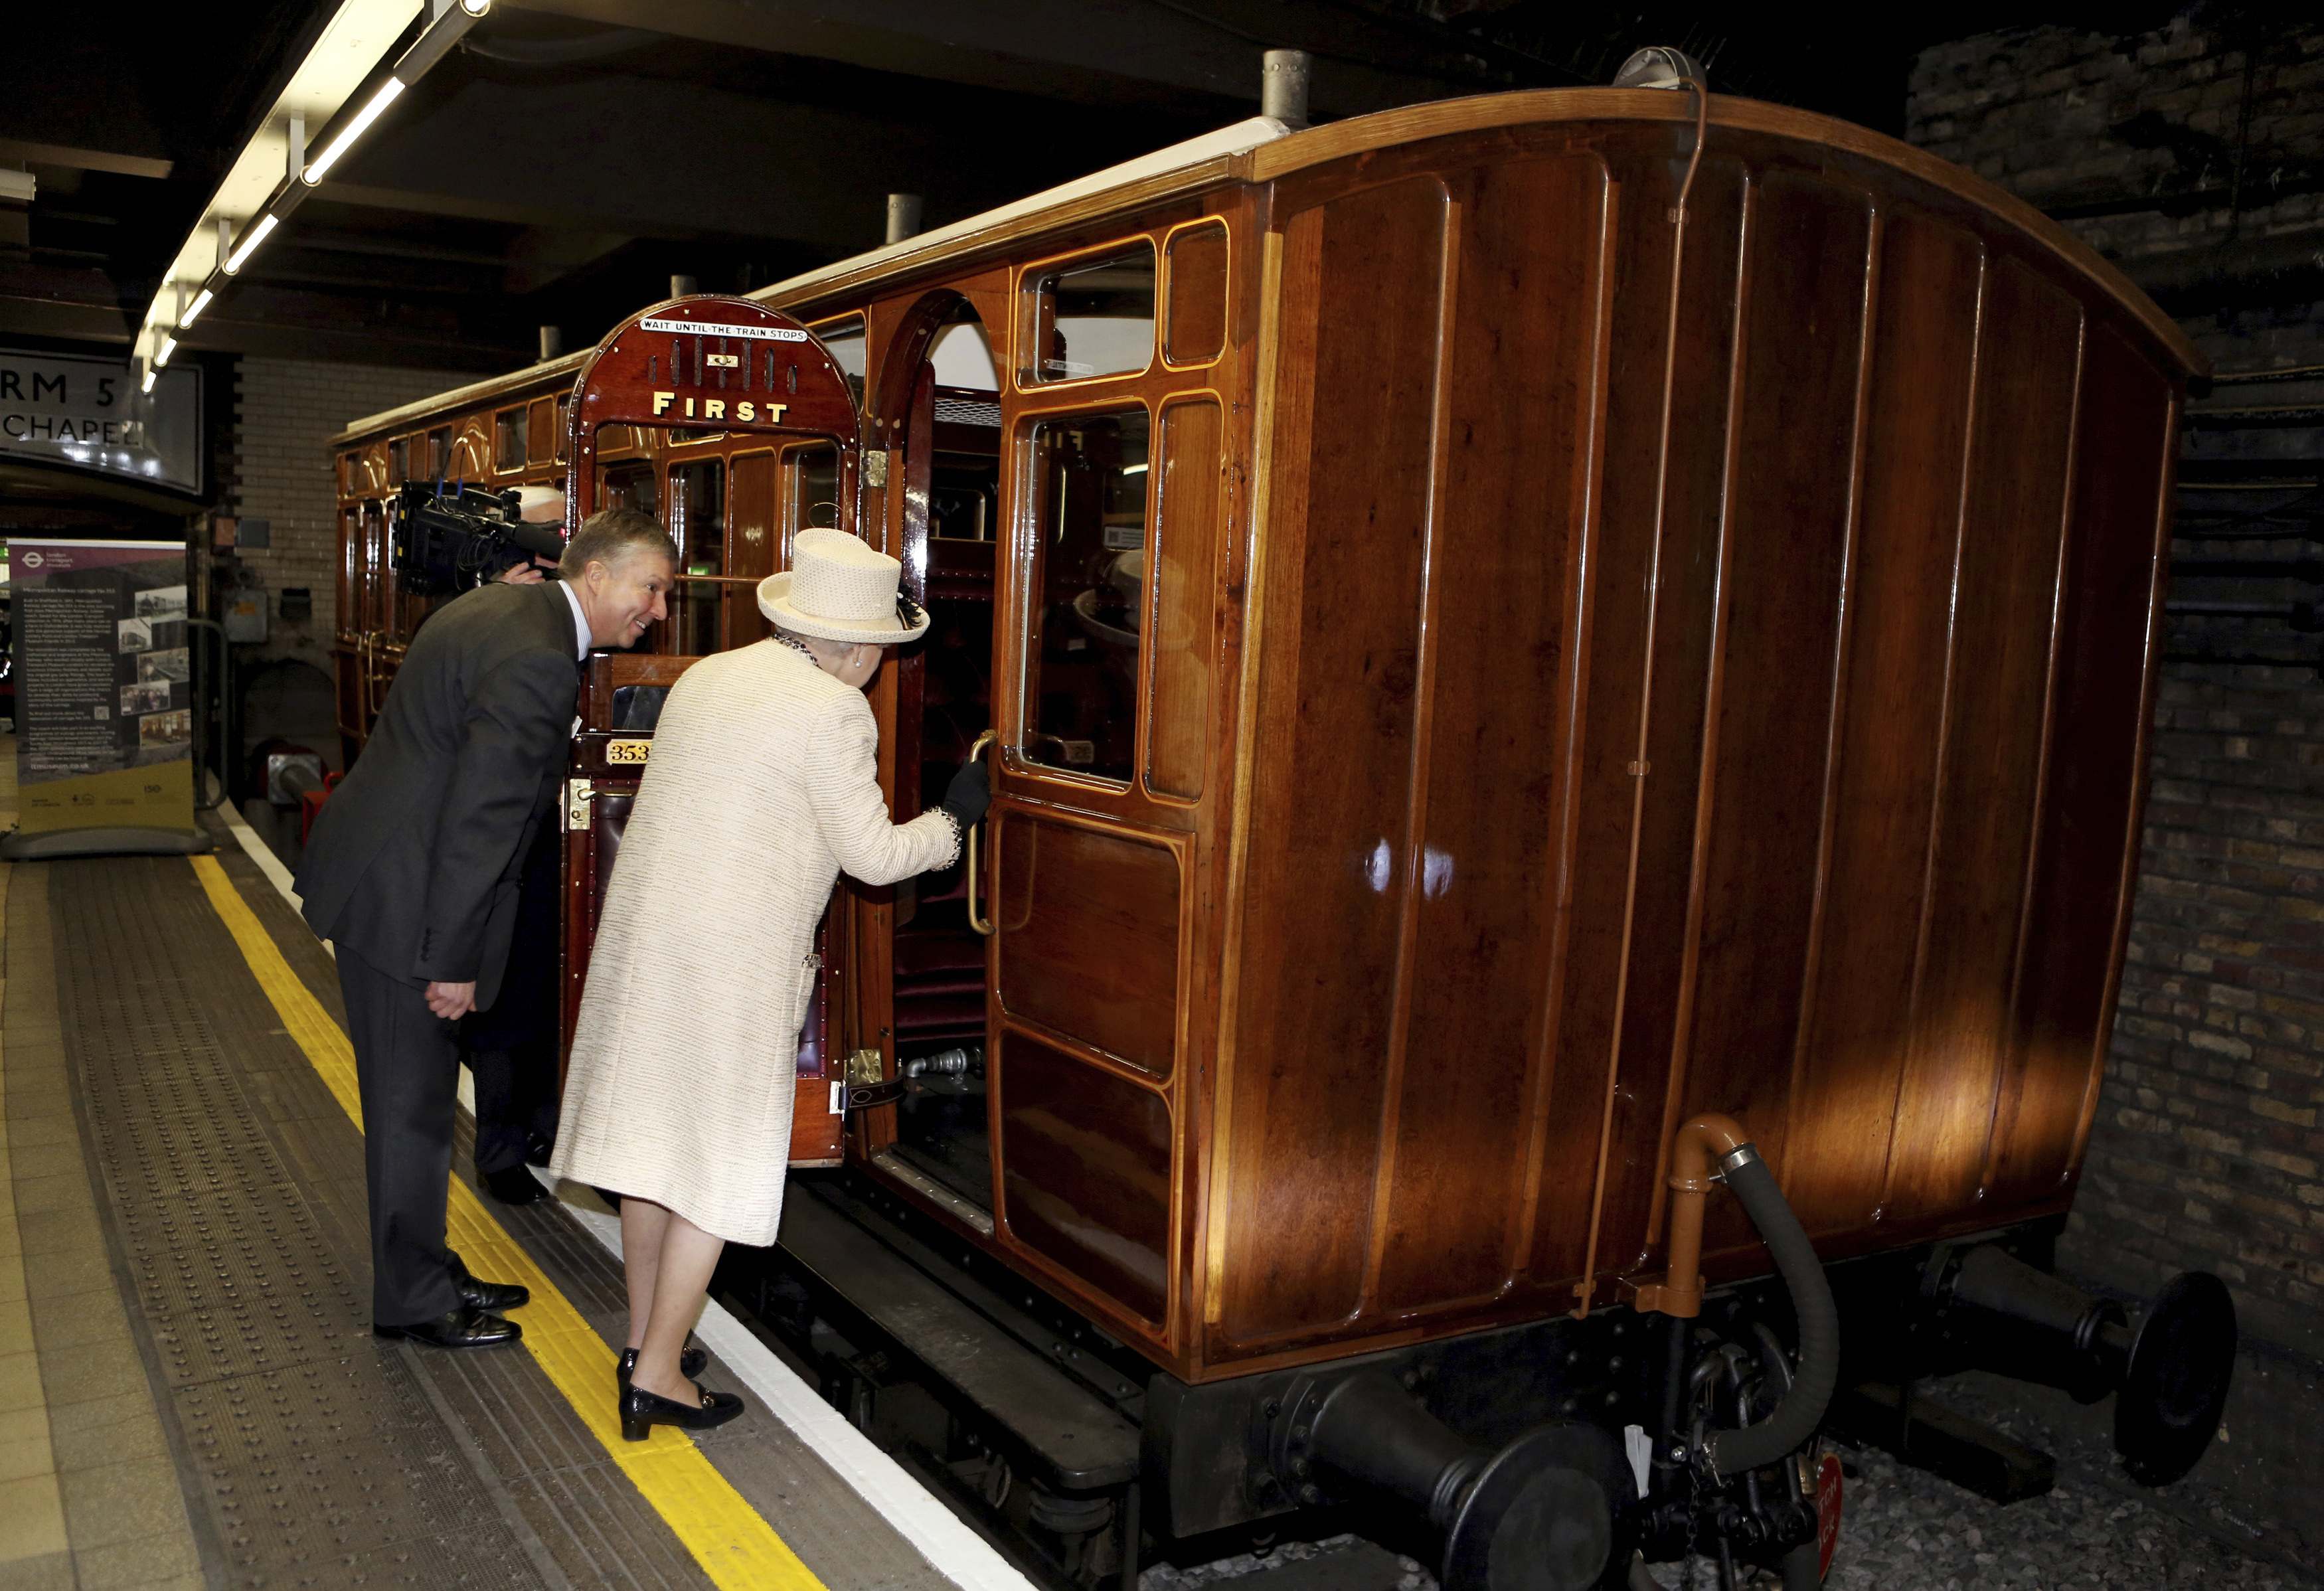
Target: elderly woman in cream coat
{"points": [[762, 789]]}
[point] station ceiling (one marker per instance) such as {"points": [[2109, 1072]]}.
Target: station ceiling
{"points": [[576, 153]]}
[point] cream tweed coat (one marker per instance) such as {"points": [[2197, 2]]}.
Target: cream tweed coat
{"points": [[761, 788]]}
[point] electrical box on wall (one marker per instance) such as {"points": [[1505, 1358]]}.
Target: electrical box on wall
{"points": [[298, 605], [245, 615]]}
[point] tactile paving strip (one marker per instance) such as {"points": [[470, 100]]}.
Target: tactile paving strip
{"points": [[487, 1559], [319, 1457], [315, 1452]]}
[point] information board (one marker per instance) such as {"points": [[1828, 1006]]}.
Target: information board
{"points": [[105, 735]]}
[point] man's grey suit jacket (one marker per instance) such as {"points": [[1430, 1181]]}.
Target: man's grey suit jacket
{"points": [[413, 864]]}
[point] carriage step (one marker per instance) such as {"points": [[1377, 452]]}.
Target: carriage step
{"points": [[849, 1253]]}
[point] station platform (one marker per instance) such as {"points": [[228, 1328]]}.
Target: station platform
{"points": [[190, 1393]]}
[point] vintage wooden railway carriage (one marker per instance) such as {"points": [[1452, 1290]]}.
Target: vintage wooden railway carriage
{"points": [[1503, 625]]}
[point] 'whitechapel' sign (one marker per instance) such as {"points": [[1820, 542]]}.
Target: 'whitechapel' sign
{"points": [[88, 414]]}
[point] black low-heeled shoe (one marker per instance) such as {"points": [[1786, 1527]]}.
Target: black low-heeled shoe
{"points": [[642, 1411], [692, 1362]]}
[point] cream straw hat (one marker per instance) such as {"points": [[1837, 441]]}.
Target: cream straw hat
{"points": [[839, 590]]}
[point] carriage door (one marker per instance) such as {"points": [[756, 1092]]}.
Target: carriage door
{"points": [[1079, 881], [929, 1008], [697, 365]]}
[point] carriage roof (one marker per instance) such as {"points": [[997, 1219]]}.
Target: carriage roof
{"points": [[1261, 150]]}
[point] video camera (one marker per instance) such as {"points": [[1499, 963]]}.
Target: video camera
{"points": [[452, 538]]}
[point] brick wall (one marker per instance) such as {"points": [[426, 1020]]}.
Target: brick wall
{"points": [[286, 411], [2192, 157]]}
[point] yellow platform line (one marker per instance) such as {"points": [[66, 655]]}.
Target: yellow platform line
{"points": [[736, 1547]]}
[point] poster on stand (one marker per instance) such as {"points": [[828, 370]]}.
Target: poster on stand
{"points": [[105, 744]]}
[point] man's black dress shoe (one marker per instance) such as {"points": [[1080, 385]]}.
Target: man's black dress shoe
{"points": [[514, 1185], [642, 1411], [464, 1327], [691, 1361], [480, 1294]]}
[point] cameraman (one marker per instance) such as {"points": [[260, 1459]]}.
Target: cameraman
{"points": [[537, 505], [511, 1049]]}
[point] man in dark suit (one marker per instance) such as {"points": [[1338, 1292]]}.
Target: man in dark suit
{"points": [[412, 872]]}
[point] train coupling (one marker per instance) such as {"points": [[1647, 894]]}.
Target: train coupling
{"points": [[2168, 1367], [1550, 1511]]}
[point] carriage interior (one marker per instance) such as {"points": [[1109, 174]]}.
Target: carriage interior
{"points": [[940, 964]]}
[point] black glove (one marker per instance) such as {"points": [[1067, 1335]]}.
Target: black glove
{"points": [[968, 794]]}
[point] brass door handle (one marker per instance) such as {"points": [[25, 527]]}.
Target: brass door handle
{"points": [[968, 845]]}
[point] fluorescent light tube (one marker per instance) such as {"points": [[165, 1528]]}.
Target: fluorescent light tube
{"points": [[249, 245], [201, 303], [379, 101], [476, 7], [162, 354], [146, 385]]}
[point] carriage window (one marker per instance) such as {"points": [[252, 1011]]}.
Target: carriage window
{"points": [[378, 579], [630, 486], [1089, 572], [1196, 329], [349, 616], [637, 708], [753, 538], [540, 444], [697, 495], [1186, 623], [564, 424], [439, 451], [399, 461], [508, 440], [814, 492], [844, 338], [1095, 319]]}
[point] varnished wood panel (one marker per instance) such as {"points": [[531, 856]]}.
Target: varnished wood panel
{"points": [[1088, 942], [1485, 869], [2004, 595], [1786, 550], [1194, 323], [1086, 1172], [1670, 496], [1352, 433], [1184, 609], [1892, 716], [2079, 871]]}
